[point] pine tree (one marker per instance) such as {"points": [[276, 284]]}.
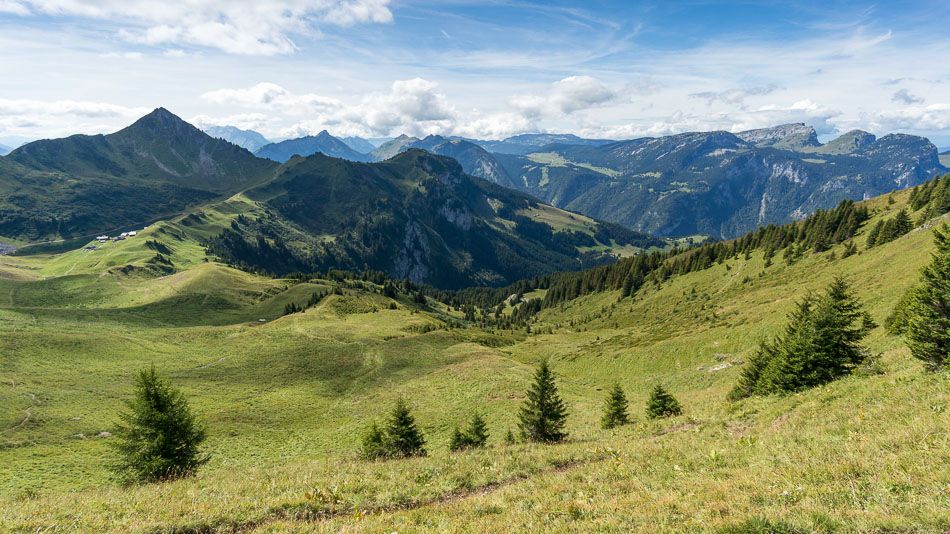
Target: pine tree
{"points": [[403, 438], [662, 404], [819, 344], [159, 438], [928, 316], [874, 233], [475, 435], [615, 408], [543, 413], [374, 444]]}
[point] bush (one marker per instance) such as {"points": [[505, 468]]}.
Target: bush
{"points": [[662, 404], [159, 437]]}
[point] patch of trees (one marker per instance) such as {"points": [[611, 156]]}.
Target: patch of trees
{"points": [[820, 343], [891, 229]]}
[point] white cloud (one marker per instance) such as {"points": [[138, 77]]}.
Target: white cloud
{"points": [[571, 94], [261, 27], [122, 55], [912, 118]]}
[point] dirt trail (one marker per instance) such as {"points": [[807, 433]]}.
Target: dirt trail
{"points": [[28, 411], [307, 513]]}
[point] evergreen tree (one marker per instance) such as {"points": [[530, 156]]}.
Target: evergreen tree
{"points": [[819, 344], [928, 316], [403, 438], [543, 414], [874, 233], [615, 408], [475, 435], [374, 444], [662, 404], [159, 438]]}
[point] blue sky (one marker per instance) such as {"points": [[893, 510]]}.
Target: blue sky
{"points": [[481, 69]]}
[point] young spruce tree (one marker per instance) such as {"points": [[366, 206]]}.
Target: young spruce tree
{"points": [[403, 438], [159, 437], [476, 435], [662, 404], [615, 408], [928, 307], [543, 413]]}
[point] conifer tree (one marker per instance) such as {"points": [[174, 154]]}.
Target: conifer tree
{"points": [[874, 233], [475, 435], [928, 314], [374, 444], [543, 413], [820, 343], [159, 438], [662, 404], [403, 438], [615, 408]]}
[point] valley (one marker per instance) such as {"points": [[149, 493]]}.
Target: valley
{"points": [[287, 397]]}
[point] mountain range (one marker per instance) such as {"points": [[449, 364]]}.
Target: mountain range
{"points": [[446, 210], [719, 183], [416, 216]]}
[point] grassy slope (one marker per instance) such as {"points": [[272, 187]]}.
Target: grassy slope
{"points": [[287, 399]]}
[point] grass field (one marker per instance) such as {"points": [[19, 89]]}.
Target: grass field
{"points": [[287, 399]]}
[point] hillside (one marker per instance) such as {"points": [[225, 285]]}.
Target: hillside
{"points": [[248, 139], [82, 185], [287, 399], [323, 143], [415, 216], [718, 183]]}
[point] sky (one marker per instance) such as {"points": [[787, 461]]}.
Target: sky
{"points": [[485, 69]]}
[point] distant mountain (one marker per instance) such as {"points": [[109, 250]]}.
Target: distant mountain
{"points": [[474, 159], [416, 216], [359, 144], [720, 183], [528, 143], [248, 139], [4, 149], [786, 136], [305, 146], [392, 147], [90, 183]]}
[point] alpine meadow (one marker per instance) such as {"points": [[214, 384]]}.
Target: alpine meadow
{"points": [[380, 266]]}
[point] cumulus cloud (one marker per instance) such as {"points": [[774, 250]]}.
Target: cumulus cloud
{"points": [[905, 97], [262, 27], [934, 117], [566, 96]]}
